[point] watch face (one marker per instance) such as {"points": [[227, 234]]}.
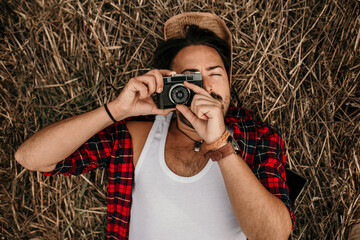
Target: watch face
{"points": [[234, 143]]}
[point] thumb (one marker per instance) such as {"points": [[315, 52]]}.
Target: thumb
{"points": [[188, 114], [163, 111]]}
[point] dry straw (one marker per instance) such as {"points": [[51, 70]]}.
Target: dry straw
{"points": [[296, 66]]}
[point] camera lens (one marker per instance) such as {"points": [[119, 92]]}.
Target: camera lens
{"points": [[179, 94]]}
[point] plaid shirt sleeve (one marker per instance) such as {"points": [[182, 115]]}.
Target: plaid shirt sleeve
{"points": [[94, 153], [263, 150], [269, 166], [110, 148]]}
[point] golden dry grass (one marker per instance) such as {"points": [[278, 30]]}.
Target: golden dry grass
{"points": [[296, 66]]}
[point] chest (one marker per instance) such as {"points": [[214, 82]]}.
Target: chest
{"points": [[183, 160]]}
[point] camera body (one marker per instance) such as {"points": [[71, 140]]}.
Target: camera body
{"points": [[174, 92]]}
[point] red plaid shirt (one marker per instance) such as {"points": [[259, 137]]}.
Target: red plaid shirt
{"points": [[261, 148]]}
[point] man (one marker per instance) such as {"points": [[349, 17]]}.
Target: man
{"points": [[176, 192]]}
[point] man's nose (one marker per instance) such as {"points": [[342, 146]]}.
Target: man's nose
{"points": [[207, 84]]}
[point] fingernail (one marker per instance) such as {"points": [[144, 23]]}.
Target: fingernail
{"points": [[159, 90], [172, 72]]}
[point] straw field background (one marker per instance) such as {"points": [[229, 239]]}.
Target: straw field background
{"points": [[296, 66]]}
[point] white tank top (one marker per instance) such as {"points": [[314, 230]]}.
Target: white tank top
{"points": [[166, 206]]}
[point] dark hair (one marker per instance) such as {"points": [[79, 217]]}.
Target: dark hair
{"points": [[166, 52]]}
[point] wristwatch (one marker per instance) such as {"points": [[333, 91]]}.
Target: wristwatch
{"points": [[229, 148]]}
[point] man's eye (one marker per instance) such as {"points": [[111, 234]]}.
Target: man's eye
{"points": [[215, 74]]}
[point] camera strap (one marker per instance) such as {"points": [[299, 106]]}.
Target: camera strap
{"points": [[197, 143]]}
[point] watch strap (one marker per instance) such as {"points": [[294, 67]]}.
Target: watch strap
{"points": [[220, 153]]}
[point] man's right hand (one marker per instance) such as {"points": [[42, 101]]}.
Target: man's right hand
{"points": [[135, 99], [54, 143]]}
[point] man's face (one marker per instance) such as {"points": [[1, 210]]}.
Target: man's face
{"points": [[205, 59]]}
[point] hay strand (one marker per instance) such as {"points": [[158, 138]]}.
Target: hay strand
{"points": [[296, 66]]}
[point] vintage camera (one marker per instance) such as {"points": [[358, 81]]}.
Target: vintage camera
{"points": [[174, 91]]}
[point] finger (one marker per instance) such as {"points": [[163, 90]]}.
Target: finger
{"points": [[155, 110], [199, 100], [159, 74], [197, 89], [159, 80], [209, 98], [139, 87], [206, 110], [149, 80], [163, 72], [188, 114], [162, 111], [166, 72]]}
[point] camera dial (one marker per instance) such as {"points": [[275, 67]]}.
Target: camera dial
{"points": [[179, 94]]}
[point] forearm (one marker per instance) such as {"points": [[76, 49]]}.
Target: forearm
{"points": [[260, 214], [46, 148], [49, 146]]}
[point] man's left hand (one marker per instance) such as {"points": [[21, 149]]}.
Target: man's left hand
{"points": [[205, 114]]}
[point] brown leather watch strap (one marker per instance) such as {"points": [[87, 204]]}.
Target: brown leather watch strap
{"points": [[220, 153]]}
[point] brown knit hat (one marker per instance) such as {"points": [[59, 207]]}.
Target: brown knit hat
{"points": [[175, 27]]}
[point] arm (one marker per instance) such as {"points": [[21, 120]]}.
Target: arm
{"points": [[260, 214], [52, 144], [270, 218]]}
